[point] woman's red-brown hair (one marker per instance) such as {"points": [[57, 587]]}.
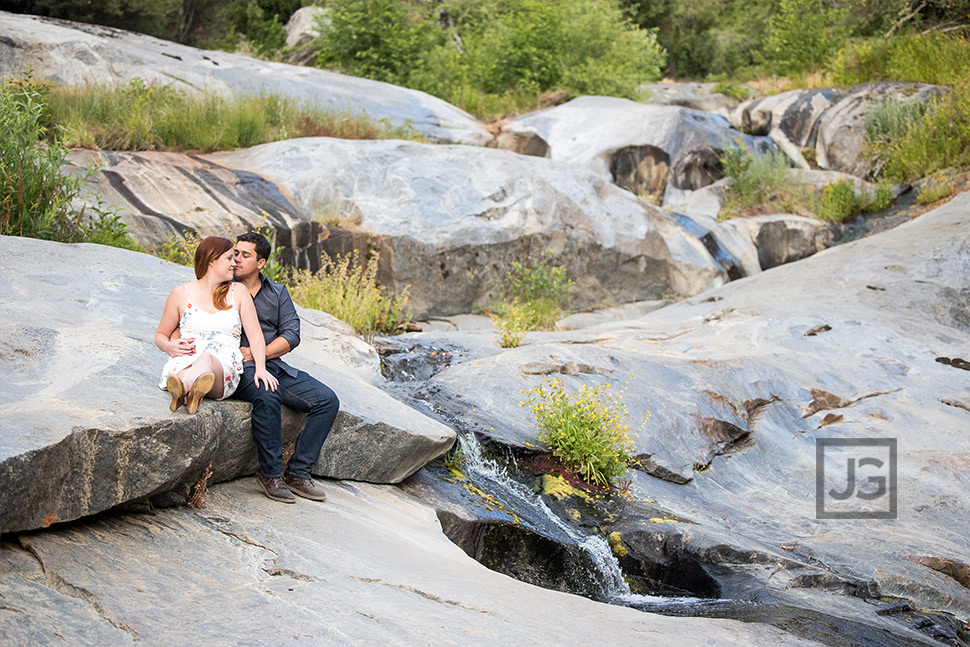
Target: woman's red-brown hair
{"points": [[211, 248]]}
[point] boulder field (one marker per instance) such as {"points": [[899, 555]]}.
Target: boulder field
{"points": [[84, 428]]}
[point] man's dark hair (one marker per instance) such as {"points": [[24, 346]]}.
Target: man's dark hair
{"points": [[263, 248]]}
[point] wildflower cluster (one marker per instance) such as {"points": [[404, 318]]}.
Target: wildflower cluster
{"points": [[587, 430], [536, 295]]}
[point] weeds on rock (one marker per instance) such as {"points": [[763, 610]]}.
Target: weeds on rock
{"points": [[935, 189], [535, 298], [762, 182], [586, 430], [180, 249], [347, 288]]}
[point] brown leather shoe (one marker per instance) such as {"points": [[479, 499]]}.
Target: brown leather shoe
{"points": [[275, 489], [201, 386], [306, 488], [177, 390]]}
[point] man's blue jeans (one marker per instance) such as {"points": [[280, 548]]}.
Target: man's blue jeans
{"points": [[303, 393]]}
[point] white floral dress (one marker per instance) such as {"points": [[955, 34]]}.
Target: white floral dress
{"points": [[217, 333]]}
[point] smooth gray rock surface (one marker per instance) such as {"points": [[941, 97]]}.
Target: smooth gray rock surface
{"points": [[632, 144], [449, 220], [698, 96], [370, 566], [77, 54], [789, 118], [161, 196], [84, 428], [741, 381]]}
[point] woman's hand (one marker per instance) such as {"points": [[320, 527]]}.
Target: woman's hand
{"points": [[179, 347], [270, 382]]}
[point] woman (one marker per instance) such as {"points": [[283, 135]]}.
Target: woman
{"points": [[205, 360]]}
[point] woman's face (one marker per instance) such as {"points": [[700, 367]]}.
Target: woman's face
{"points": [[223, 266]]}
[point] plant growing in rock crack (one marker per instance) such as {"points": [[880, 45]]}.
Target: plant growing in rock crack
{"points": [[535, 298], [586, 430]]}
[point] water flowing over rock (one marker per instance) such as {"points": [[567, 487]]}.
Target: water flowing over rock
{"points": [[742, 381], [76, 54], [83, 428], [449, 220], [633, 144]]}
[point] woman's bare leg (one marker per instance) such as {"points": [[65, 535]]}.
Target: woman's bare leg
{"points": [[206, 363]]}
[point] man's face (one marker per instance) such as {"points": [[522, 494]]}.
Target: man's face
{"points": [[247, 264]]}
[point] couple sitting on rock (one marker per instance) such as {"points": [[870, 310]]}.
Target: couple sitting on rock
{"points": [[211, 357]]}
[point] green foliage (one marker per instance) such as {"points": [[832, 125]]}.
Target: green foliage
{"points": [[376, 39], [930, 58], [801, 35], [145, 117], [760, 182], [514, 321], [733, 90], [587, 430], [838, 201], [105, 228], [536, 295], [346, 287], [913, 139], [496, 54], [35, 198], [258, 23], [882, 199]]}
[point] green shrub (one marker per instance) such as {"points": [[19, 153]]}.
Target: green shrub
{"points": [[802, 35], [510, 51], [928, 58], [915, 139], [838, 201], [587, 431], [346, 287], [536, 294], [35, 198], [144, 117], [882, 199], [763, 182], [514, 321]]}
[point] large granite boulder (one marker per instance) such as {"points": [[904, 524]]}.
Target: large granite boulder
{"points": [[789, 118], [449, 220], [635, 145], [368, 567], [84, 428], [698, 96], [161, 196], [76, 54], [840, 143], [867, 340]]}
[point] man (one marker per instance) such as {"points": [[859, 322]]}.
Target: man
{"points": [[298, 390]]}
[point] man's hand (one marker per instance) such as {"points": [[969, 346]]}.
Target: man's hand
{"points": [[247, 353]]}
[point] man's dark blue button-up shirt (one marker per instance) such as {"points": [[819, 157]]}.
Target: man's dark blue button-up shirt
{"points": [[277, 318]]}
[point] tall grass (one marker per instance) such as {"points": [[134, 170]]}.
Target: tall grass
{"points": [[146, 117], [346, 287], [762, 183]]}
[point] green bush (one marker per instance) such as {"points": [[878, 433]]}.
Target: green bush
{"points": [[536, 295], [35, 197], [910, 140], [498, 54], [935, 189], [587, 431], [931, 58], [838, 201], [346, 287], [763, 182], [802, 35]]}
